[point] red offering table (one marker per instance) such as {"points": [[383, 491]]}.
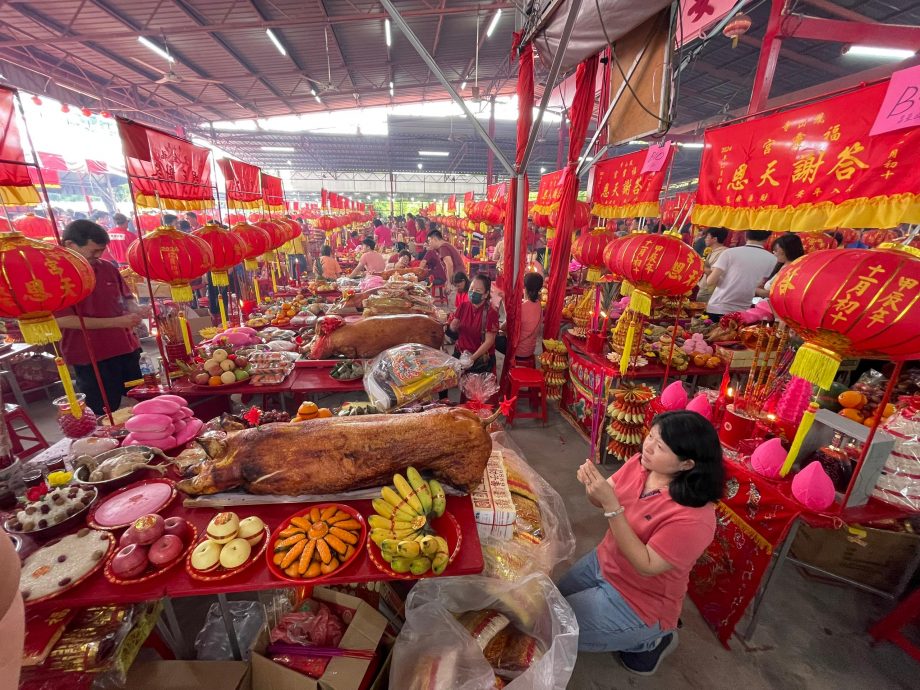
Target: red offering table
{"points": [[583, 385], [311, 380], [178, 583]]}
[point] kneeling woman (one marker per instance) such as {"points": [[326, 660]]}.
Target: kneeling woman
{"points": [[627, 593]]}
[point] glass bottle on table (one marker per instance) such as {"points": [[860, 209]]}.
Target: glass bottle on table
{"points": [[836, 461], [149, 372]]}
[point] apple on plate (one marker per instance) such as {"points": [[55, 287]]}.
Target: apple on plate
{"points": [[148, 528], [130, 561], [165, 550], [201, 378], [178, 527], [227, 365]]}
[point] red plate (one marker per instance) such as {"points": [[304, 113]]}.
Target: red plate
{"points": [[221, 573], [81, 579], [126, 505], [151, 571], [446, 526], [280, 574]]}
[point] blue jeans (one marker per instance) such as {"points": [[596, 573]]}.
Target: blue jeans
{"points": [[606, 623]]}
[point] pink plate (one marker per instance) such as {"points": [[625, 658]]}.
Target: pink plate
{"points": [[126, 505]]}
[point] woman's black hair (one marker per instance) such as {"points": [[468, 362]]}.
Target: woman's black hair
{"points": [[461, 277], [369, 243], [327, 250], [792, 247], [485, 279], [533, 283], [400, 247], [405, 253], [690, 436], [377, 222]]}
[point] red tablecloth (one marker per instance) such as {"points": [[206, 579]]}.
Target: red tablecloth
{"points": [[314, 380], [187, 389], [178, 583]]}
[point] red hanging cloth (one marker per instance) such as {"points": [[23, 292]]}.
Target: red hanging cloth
{"points": [[15, 184], [165, 170], [272, 192], [579, 116], [242, 183], [514, 290]]}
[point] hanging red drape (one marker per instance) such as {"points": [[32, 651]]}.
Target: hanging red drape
{"points": [[242, 183], [579, 116], [15, 184], [514, 289], [165, 170], [272, 192]]}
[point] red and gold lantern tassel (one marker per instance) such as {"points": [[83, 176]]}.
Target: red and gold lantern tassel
{"points": [[40, 330], [255, 284], [804, 427], [251, 264], [816, 365], [640, 302], [223, 311], [75, 410], [220, 278], [183, 325], [633, 320]]}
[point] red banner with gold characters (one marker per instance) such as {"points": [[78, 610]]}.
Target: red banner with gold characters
{"points": [[165, 170], [272, 192], [242, 183], [549, 193], [15, 184], [496, 192], [811, 168], [621, 190]]}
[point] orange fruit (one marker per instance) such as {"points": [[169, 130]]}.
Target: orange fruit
{"points": [[852, 399], [307, 409], [869, 421], [214, 381], [850, 413], [888, 411], [324, 412]]}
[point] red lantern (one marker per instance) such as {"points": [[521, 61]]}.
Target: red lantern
{"points": [[874, 238], [228, 250], [34, 227], [493, 214], [257, 242], [173, 257], [37, 279], [817, 241], [652, 265], [588, 250], [326, 223], [850, 235], [737, 27], [541, 220], [853, 303], [581, 220], [276, 232]]}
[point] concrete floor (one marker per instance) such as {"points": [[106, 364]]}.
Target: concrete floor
{"points": [[811, 635]]}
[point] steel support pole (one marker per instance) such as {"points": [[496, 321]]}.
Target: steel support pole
{"points": [[550, 79], [436, 71], [490, 160], [769, 55]]}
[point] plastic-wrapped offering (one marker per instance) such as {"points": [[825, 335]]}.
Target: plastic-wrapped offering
{"points": [[406, 373], [899, 483]]}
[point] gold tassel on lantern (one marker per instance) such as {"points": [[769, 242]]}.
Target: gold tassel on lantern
{"points": [[640, 302], [223, 310], [40, 331], [181, 293], [251, 264], [183, 325], [220, 278], [632, 319], [816, 365], [807, 420], [75, 410]]}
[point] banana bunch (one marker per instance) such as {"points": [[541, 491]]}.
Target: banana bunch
{"points": [[401, 526]]}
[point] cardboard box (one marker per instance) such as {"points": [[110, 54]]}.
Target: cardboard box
{"points": [[878, 558], [189, 675], [342, 673]]}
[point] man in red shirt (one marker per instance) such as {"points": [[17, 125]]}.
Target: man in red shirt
{"points": [[120, 238], [383, 236], [453, 261], [110, 314]]}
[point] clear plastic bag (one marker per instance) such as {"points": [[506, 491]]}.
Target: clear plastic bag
{"points": [[540, 542], [407, 373], [899, 483], [212, 643], [435, 652]]}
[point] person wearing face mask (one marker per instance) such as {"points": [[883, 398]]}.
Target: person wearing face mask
{"points": [[110, 314], [660, 513], [475, 327]]}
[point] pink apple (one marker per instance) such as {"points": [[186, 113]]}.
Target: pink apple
{"points": [[165, 550], [178, 527], [130, 561], [149, 528]]}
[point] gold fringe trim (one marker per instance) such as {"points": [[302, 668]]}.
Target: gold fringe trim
{"points": [[19, 196], [864, 212], [804, 427], [181, 293], [172, 204], [40, 330], [816, 365], [643, 209], [749, 531], [219, 278]]}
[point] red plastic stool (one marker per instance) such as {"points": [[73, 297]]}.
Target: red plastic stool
{"points": [[531, 380], [889, 628], [24, 431], [526, 361], [439, 294]]}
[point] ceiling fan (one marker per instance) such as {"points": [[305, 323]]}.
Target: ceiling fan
{"points": [[170, 76]]}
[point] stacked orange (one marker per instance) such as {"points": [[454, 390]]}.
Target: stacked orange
{"points": [[853, 403], [309, 410], [288, 311]]}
